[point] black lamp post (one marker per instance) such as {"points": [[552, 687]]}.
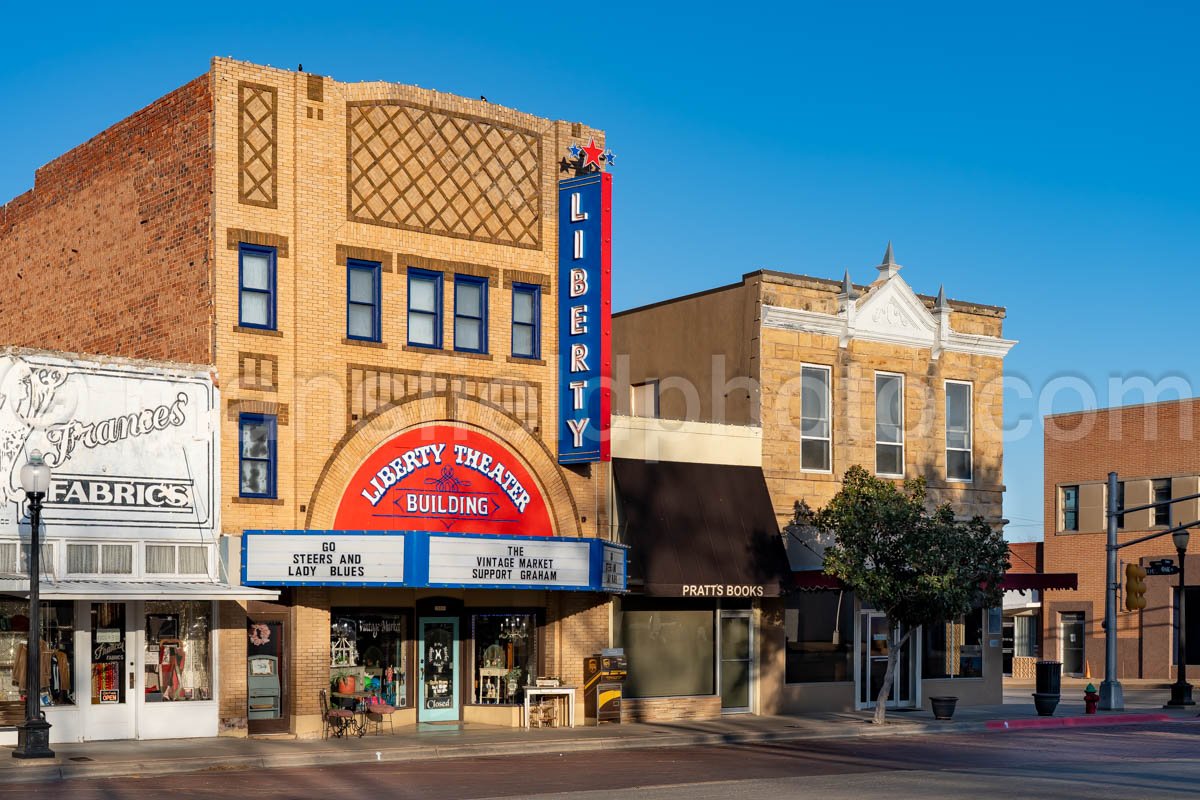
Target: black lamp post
{"points": [[1181, 690], [33, 735]]}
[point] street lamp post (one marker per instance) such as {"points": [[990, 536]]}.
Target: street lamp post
{"points": [[1181, 690], [33, 735]]}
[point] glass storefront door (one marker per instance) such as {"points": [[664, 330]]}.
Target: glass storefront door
{"points": [[874, 646], [111, 710], [1072, 643], [266, 674], [736, 660], [438, 677]]}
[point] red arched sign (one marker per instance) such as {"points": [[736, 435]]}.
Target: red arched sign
{"points": [[445, 479]]}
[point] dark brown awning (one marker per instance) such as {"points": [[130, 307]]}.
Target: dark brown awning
{"points": [[814, 580], [698, 530], [1039, 581]]}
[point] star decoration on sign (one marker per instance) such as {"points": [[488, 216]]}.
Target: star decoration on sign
{"points": [[592, 153], [574, 151], [608, 157]]}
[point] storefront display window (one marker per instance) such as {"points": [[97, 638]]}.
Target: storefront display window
{"points": [[178, 661], [367, 653], [954, 649], [819, 629], [670, 646], [58, 651], [505, 656]]}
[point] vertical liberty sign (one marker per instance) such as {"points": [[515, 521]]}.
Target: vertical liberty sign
{"points": [[584, 317]]}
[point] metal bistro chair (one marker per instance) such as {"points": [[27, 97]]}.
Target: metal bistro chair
{"points": [[334, 720], [376, 712]]}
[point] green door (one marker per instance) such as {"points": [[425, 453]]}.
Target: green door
{"points": [[438, 677]]}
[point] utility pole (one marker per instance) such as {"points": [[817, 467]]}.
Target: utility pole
{"points": [[1112, 696]]}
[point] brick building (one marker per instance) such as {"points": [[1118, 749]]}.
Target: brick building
{"points": [[370, 271], [1152, 449], [831, 374]]}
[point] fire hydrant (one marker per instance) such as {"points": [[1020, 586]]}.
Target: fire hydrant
{"points": [[1090, 699]]}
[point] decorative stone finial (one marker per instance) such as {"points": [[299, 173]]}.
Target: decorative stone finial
{"points": [[940, 304], [889, 267], [848, 287]]}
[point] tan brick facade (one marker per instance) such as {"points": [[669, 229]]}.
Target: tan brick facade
{"points": [[132, 242], [1141, 443]]}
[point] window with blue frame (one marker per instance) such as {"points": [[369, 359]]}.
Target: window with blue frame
{"points": [[526, 323], [256, 455], [256, 286], [470, 314], [362, 300], [424, 308]]}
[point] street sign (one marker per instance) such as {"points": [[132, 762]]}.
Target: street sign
{"points": [[1163, 566]]}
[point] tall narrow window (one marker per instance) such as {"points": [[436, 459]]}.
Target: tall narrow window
{"points": [[815, 427], [470, 314], [362, 300], [1070, 508], [959, 460], [1162, 493], [889, 424], [526, 323], [424, 308], [643, 399], [256, 453], [256, 286]]}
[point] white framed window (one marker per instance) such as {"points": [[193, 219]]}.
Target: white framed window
{"points": [[816, 424], [99, 559], [169, 559], [643, 399], [889, 424], [960, 463]]}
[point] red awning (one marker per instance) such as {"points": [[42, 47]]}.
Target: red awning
{"points": [[814, 580], [1040, 581]]}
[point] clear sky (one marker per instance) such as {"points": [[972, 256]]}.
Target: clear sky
{"points": [[1038, 156]]}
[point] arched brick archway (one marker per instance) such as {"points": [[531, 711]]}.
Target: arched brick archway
{"points": [[369, 434]]}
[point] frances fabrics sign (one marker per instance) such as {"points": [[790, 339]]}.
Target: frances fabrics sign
{"points": [[445, 479], [585, 317]]}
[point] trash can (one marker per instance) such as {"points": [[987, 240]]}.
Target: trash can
{"points": [[1048, 690]]}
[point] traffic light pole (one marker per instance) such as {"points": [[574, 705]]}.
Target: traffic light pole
{"points": [[1112, 696]]}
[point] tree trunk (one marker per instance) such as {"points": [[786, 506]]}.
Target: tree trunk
{"points": [[886, 689]]}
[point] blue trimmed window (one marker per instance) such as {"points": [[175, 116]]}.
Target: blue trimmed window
{"points": [[526, 320], [424, 308], [256, 455], [363, 320], [256, 286], [470, 314]]}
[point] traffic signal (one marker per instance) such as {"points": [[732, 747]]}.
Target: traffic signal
{"points": [[1135, 587]]}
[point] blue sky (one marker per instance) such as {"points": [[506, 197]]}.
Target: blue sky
{"points": [[1042, 157]]}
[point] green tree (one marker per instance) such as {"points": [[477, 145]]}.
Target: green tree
{"points": [[915, 563]]}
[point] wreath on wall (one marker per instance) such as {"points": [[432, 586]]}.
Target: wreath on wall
{"points": [[260, 634]]}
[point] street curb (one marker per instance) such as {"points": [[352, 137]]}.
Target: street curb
{"points": [[42, 772], [1042, 723]]}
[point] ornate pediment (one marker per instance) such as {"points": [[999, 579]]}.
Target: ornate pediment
{"points": [[893, 313]]}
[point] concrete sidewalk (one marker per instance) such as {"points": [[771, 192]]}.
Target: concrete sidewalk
{"points": [[159, 757]]}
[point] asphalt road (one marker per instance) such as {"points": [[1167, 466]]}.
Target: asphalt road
{"points": [[1160, 761]]}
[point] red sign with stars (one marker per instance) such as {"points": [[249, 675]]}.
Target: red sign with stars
{"points": [[445, 479]]}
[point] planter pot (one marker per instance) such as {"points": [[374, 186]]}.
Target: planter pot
{"points": [[345, 685], [1045, 703], [943, 707]]}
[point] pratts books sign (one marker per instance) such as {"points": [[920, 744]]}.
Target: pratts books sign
{"points": [[584, 317], [444, 478]]}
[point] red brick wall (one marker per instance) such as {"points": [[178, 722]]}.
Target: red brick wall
{"points": [[1138, 442], [109, 252]]}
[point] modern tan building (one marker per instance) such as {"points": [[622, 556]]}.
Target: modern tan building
{"points": [[1152, 449], [829, 374], [370, 271]]}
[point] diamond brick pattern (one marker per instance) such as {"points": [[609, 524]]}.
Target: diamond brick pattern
{"points": [[258, 144], [415, 168]]}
